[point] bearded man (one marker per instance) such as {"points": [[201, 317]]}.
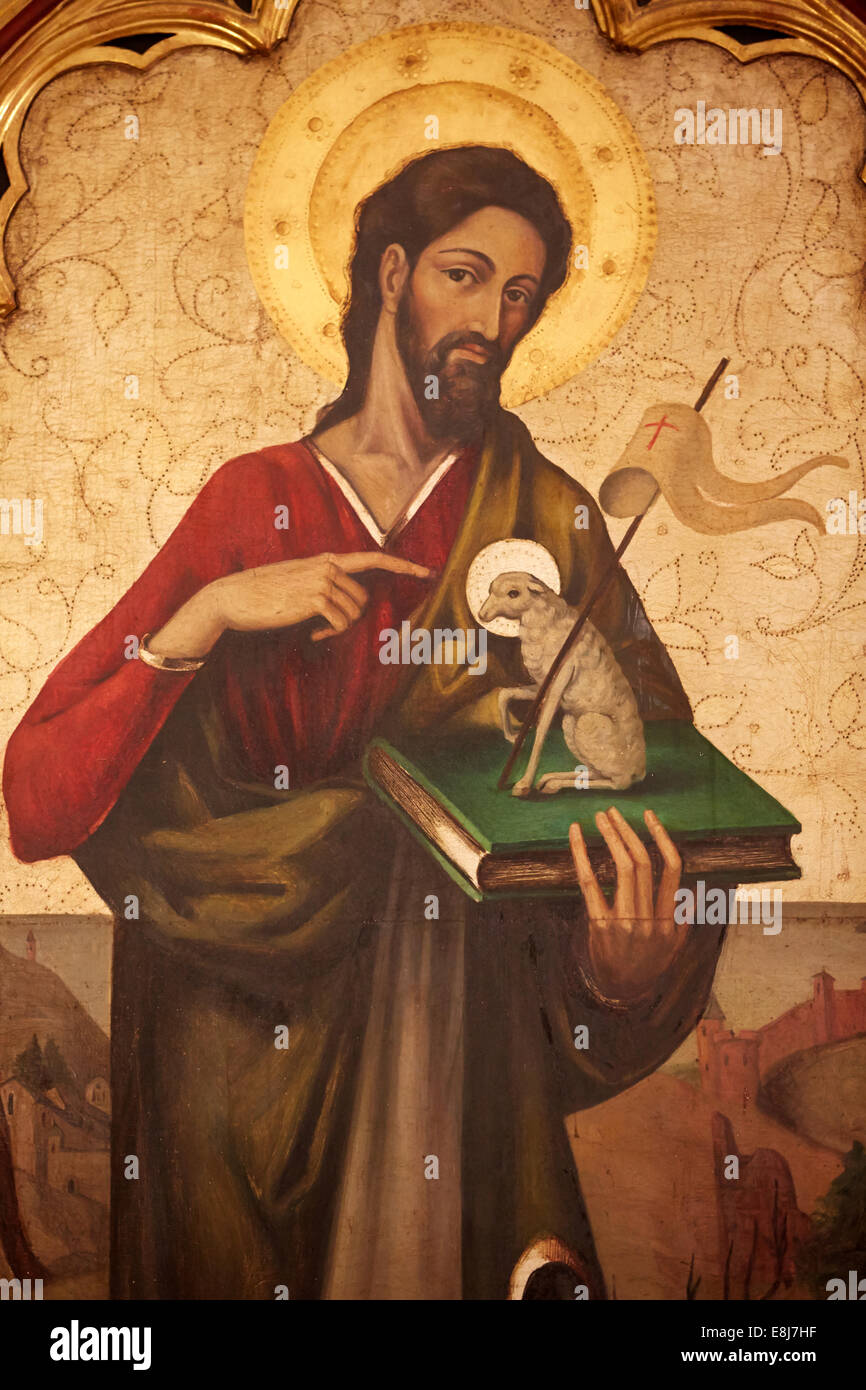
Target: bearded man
{"points": [[317, 1091]]}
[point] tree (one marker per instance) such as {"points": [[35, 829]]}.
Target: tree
{"points": [[56, 1069], [838, 1240], [30, 1066], [41, 1070]]}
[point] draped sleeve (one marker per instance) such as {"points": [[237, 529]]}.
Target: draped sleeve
{"points": [[624, 1042], [100, 710]]}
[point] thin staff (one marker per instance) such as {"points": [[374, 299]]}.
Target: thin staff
{"points": [[532, 717]]}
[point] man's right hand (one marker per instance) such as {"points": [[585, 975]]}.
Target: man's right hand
{"points": [[291, 592], [274, 596]]}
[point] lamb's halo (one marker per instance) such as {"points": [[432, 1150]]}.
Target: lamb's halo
{"points": [[499, 558]]}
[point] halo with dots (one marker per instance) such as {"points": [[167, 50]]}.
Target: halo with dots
{"points": [[361, 118], [501, 557]]}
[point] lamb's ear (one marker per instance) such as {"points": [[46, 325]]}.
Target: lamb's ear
{"points": [[535, 586]]}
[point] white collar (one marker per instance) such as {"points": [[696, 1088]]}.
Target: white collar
{"points": [[363, 513]]}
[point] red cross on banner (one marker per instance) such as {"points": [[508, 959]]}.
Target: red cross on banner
{"points": [[659, 425]]}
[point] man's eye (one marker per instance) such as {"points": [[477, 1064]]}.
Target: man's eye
{"points": [[516, 296], [457, 274]]}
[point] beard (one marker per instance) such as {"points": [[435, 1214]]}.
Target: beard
{"points": [[468, 391]]}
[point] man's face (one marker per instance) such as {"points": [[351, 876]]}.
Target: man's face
{"points": [[469, 300]]}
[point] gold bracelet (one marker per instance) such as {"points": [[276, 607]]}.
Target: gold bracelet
{"points": [[168, 663]]}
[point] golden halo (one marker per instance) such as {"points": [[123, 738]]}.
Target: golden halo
{"points": [[359, 119], [500, 557]]}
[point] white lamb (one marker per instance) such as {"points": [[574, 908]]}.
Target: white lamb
{"points": [[601, 723]]}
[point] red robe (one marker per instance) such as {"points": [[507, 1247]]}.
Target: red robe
{"points": [[309, 707]]}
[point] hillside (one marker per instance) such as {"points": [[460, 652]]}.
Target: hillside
{"points": [[35, 1000], [645, 1161]]}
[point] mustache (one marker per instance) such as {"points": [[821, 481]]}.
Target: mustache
{"points": [[496, 361]]}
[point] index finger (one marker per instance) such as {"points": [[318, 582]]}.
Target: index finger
{"points": [[375, 560]]}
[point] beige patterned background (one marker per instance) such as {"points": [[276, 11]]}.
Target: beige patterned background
{"points": [[129, 260]]}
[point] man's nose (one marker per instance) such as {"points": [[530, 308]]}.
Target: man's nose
{"points": [[489, 314]]}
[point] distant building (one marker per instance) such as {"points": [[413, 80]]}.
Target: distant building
{"points": [[733, 1065], [57, 1143], [97, 1093], [55, 1112]]}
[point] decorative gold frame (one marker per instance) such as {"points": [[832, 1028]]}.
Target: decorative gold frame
{"points": [[72, 35], [819, 28]]}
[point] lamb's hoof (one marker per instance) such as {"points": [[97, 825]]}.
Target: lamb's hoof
{"points": [[553, 782], [522, 788]]}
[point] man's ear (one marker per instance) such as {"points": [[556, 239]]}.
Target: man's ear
{"points": [[393, 275]]}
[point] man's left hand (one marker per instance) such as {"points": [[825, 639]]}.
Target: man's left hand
{"points": [[633, 940]]}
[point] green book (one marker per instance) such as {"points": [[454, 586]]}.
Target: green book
{"points": [[496, 845]]}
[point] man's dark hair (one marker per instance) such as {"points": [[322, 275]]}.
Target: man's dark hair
{"points": [[432, 194]]}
